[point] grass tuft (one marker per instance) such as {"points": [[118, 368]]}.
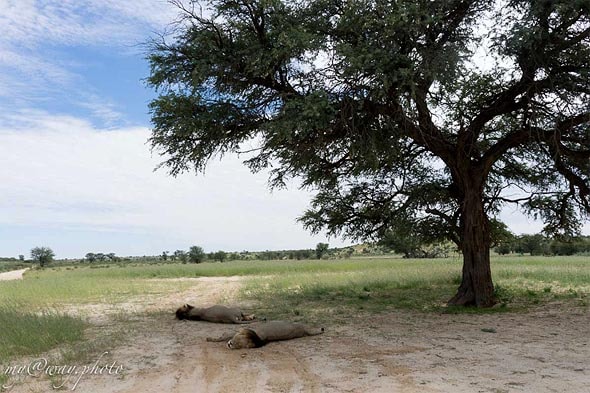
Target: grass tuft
{"points": [[29, 333]]}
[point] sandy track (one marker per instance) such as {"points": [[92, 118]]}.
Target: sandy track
{"points": [[545, 350], [13, 275]]}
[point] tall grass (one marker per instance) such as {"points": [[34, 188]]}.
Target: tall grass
{"points": [[28, 333]]}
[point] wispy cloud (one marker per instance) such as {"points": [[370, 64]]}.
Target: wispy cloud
{"points": [[102, 109], [31, 23], [35, 66]]}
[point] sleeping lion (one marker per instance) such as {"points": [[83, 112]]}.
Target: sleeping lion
{"points": [[261, 333], [218, 314]]}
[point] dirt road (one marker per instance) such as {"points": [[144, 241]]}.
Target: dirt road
{"points": [[13, 275]]}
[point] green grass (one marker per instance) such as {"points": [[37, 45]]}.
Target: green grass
{"points": [[29, 333], [310, 290], [423, 285], [49, 287], [368, 282]]}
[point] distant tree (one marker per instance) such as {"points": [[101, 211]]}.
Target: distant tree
{"points": [[303, 254], [563, 247], [532, 244], [180, 255], [196, 254], [321, 249], [90, 257], [112, 257], [503, 248], [165, 255], [220, 256], [21, 258], [42, 255], [100, 256]]}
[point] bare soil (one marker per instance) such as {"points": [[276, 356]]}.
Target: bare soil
{"points": [[544, 350], [13, 275]]}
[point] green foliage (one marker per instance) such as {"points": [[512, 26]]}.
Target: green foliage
{"points": [[180, 255], [196, 254], [219, 256], [42, 255], [321, 249], [541, 245], [412, 241], [101, 257]]}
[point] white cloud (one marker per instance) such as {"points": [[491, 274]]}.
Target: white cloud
{"points": [[60, 172], [34, 69], [32, 23]]}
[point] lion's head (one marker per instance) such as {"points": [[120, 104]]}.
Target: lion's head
{"points": [[245, 338], [183, 311]]}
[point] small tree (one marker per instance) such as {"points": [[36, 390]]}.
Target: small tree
{"points": [[321, 249], [196, 254], [43, 255], [180, 255], [21, 258], [503, 248], [165, 255], [90, 257]]}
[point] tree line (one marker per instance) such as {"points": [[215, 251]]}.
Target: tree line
{"points": [[541, 245]]}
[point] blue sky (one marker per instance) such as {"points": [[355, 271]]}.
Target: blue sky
{"points": [[76, 173]]}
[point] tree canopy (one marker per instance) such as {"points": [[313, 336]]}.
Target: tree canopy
{"points": [[43, 255], [430, 115]]}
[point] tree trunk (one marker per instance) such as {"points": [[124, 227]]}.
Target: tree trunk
{"points": [[476, 287]]}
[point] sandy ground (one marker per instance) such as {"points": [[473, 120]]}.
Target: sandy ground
{"points": [[13, 275], [544, 350]]}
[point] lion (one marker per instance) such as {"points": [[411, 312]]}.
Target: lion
{"points": [[261, 333], [218, 314]]}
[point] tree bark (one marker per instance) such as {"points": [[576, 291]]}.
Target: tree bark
{"points": [[476, 287]]}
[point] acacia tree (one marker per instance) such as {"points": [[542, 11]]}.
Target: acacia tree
{"points": [[412, 113], [43, 255], [196, 254], [321, 249]]}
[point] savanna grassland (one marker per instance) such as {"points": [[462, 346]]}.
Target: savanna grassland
{"points": [[55, 309]]}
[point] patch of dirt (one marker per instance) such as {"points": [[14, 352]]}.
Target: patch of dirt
{"points": [[13, 275], [544, 350]]}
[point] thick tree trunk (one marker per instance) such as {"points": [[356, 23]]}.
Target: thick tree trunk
{"points": [[476, 287]]}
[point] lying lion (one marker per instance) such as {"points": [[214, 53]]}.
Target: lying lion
{"points": [[261, 333], [218, 314]]}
